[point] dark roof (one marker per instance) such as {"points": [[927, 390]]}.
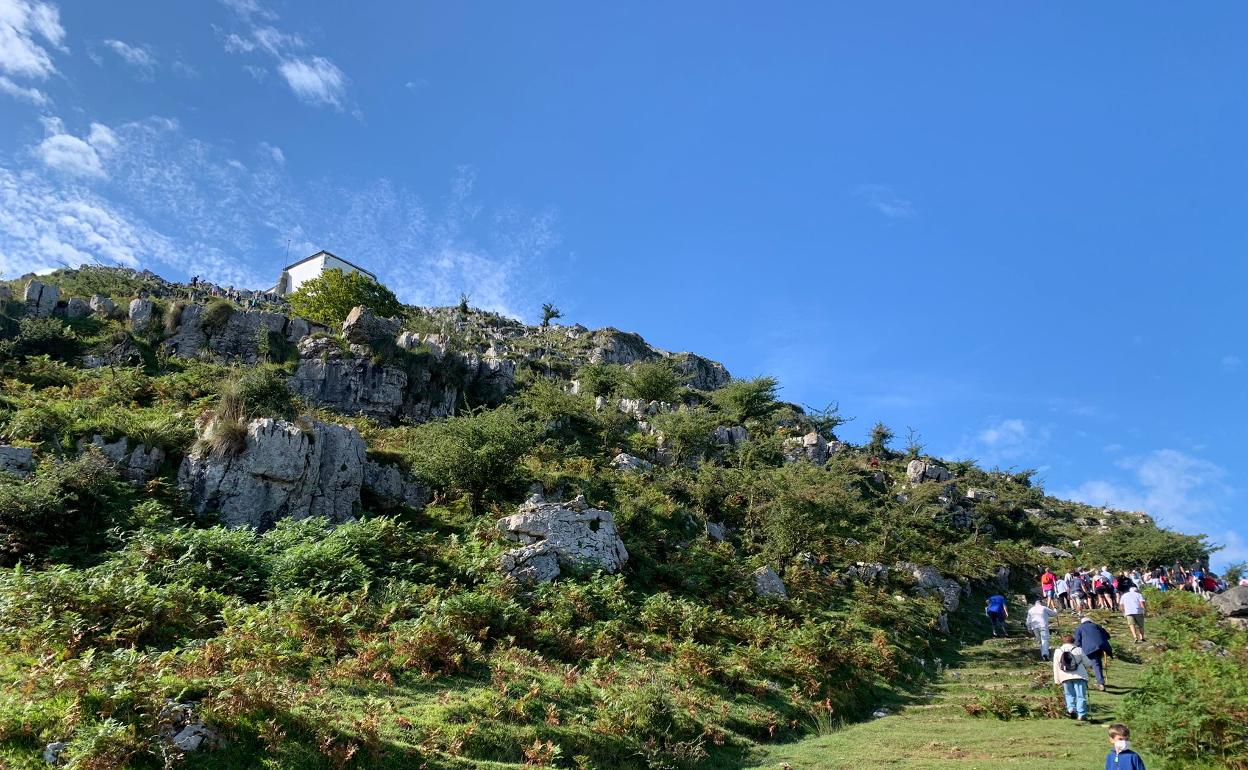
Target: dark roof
{"points": [[322, 252]]}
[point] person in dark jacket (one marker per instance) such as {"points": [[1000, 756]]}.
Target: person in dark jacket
{"points": [[1121, 757], [1093, 639]]}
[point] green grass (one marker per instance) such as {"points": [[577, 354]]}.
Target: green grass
{"points": [[937, 733]]}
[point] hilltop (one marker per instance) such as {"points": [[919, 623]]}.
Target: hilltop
{"points": [[234, 534]]}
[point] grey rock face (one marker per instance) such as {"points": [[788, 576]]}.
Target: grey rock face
{"points": [[285, 470], [351, 385], [1056, 553], [142, 312], [811, 447], [626, 462], [238, 339], [978, 495], [52, 752], [768, 583], [41, 298], [390, 488], [536, 563], [700, 373], [101, 305], [16, 460], [362, 327], [5, 293], [577, 535], [918, 471], [612, 346], [123, 353], [77, 308], [138, 465], [1232, 603], [734, 436], [930, 579], [716, 531], [867, 572]]}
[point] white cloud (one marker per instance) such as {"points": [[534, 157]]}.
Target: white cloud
{"points": [[23, 24], [315, 81], [139, 57], [30, 94], [274, 152], [74, 156], [885, 200], [1006, 441], [1232, 363]]}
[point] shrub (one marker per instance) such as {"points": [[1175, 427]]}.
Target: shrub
{"points": [[230, 561], [330, 297], [602, 379], [216, 315], [42, 337], [687, 433], [474, 453], [653, 381], [742, 400]]}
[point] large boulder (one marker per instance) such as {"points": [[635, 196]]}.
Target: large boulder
{"points": [[700, 373], [77, 308], [929, 580], [1233, 602], [351, 385], [41, 298], [16, 460], [363, 327], [138, 465], [768, 583], [101, 305], [612, 346], [142, 314], [388, 487], [284, 470], [626, 462], [1056, 553], [811, 447], [918, 471], [237, 337], [574, 534]]}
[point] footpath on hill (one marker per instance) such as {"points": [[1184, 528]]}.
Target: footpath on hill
{"points": [[938, 731]]}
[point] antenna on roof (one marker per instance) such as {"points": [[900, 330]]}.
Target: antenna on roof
{"points": [[287, 250]]}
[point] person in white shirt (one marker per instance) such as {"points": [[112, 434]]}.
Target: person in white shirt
{"points": [[1132, 603], [1063, 593], [1038, 618]]}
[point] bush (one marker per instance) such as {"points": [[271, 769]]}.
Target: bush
{"points": [[475, 453], [742, 400], [653, 381], [330, 297], [42, 337], [216, 315], [602, 379]]}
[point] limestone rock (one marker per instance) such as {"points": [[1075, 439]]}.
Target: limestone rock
{"points": [[285, 470], [52, 752], [768, 583], [1056, 553], [716, 531], [350, 385], [612, 346], [363, 327], [138, 465], [1233, 602], [918, 471], [734, 436], [16, 460], [577, 535], [5, 293], [120, 353], [929, 579], [626, 462], [142, 314], [700, 373], [101, 305], [867, 572], [41, 298], [390, 488], [237, 339], [979, 495], [77, 308], [811, 447], [536, 563]]}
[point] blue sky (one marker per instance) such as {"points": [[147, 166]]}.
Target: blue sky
{"points": [[1019, 230]]}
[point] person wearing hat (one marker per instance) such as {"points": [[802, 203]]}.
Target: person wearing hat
{"points": [[1093, 639]]}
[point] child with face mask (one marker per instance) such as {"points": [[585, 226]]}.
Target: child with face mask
{"points": [[1121, 757]]}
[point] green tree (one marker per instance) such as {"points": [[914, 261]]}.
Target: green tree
{"points": [[742, 400], [329, 298], [1144, 546], [1234, 572], [550, 313], [653, 381], [881, 435], [476, 453]]}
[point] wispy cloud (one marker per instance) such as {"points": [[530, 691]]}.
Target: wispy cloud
{"points": [[313, 79], [78, 157], [25, 28], [885, 200], [137, 56], [25, 93], [1005, 442]]}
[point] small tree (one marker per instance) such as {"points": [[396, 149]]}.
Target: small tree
{"points": [[329, 298], [914, 445], [550, 313], [742, 400], [827, 419], [1234, 572], [463, 304], [475, 453], [653, 381], [881, 435]]}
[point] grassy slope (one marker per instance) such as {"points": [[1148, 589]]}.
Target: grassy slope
{"points": [[939, 734]]}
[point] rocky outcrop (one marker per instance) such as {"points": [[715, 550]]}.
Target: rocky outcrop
{"points": [[560, 536], [612, 346], [387, 487], [811, 447], [363, 327], [101, 305], [768, 583], [285, 470], [929, 580], [626, 462], [121, 352], [138, 465], [1232, 603], [41, 298], [918, 471], [730, 436], [77, 308], [700, 373], [142, 314], [1055, 553], [16, 460], [238, 338], [354, 385]]}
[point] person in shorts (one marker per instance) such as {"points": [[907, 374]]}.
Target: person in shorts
{"points": [[1133, 609]]}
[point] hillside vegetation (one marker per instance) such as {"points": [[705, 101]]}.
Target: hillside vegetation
{"points": [[778, 582]]}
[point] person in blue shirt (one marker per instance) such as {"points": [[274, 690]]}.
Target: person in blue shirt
{"points": [[1121, 757], [996, 611], [1093, 639]]}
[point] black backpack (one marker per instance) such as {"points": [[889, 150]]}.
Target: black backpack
{"points": [[1066, 662]]}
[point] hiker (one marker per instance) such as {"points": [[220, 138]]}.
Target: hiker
{"points": [[1121, 757], [1038, 618], [1133, 610], [1093, 639], [1070, 670], [1062, 587], [996, 611], [1077, 590], [1048, 586]]}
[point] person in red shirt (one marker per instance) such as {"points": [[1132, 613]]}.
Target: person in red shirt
{"points": [[1048, 586]]}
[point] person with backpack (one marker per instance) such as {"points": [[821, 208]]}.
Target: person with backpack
{"points": [[1038, 618], [1070, 670], [1093, 639], [1121, 757], [1062, 587], [996, 611]]}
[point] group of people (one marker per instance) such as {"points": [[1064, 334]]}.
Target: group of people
{"points": [[1080, 590]]}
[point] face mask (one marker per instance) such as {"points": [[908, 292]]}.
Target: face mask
{"points": [[1121, 745]]}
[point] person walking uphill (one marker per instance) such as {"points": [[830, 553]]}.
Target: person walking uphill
{"points": [[1038, 618], [1093, 639], [1048, 587], [1133, 609], [996, 611], [1070, 670], [1121, 757]]}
